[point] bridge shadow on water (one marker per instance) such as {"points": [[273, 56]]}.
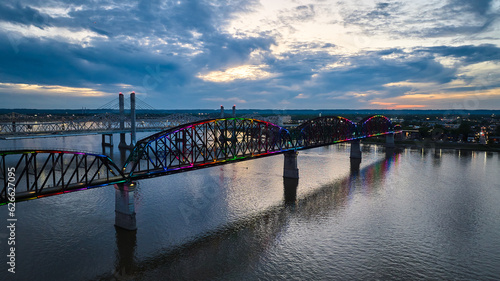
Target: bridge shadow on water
{"points": [[238, 246]]}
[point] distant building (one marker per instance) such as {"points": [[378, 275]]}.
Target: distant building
{"points": [[411, 134], [494, 139], [451, 126], [471, 138]]}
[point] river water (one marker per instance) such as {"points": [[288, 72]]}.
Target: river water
{"points": [[409, 214]]}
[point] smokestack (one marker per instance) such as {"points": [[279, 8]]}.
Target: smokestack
{"points": [[234, 110], [221, 111]]}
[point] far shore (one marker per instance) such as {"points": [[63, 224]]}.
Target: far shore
{"points": [[435, 144]]}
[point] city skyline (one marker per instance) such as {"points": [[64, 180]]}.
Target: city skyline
{"points": [[267, 54]]}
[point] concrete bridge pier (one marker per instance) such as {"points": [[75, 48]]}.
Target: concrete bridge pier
{"points": [[355, 149], [104, 142], [123, 142], [290, 169], [389, 141], [125, 206]]}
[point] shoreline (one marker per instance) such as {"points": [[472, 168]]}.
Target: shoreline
{"points": [[443, 145]]}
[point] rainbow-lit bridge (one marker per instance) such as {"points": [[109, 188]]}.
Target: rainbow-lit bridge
{"points": [[183, 148]]}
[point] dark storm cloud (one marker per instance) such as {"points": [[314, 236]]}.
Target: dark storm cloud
{"points": [[118, 60], [371, 73], [18, 13], [480, 7], [367, 73], [222, 49], [58, 63], [363, 73], [468, 53]]}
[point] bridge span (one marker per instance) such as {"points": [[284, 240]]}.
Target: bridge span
{"points": [[195, 145]]}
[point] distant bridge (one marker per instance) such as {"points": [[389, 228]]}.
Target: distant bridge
{"points": [[195, 145], [97, 124], [105, 124]]}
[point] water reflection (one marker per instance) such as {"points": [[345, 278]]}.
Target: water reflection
{"points": [[126, 244], [290, 190], [241, 244]]}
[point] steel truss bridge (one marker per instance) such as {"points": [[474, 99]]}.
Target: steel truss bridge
{"points": [[105, 123], [195, 145]]}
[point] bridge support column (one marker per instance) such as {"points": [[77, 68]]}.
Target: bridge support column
{"points": [[290, 169], [355, 149], [123, 142], [125, 206], [389, 141], [110, 143]]}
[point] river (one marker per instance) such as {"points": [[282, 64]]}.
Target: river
{"points": [[410, 214]]}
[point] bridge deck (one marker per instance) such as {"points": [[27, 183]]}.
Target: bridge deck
{"points": [[50, 191]]}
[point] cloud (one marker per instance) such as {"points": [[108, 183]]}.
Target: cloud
{"points": [[23, 14], [301, 96], [430, 18], [242, 72], [53, 90], [236, 100], [200, 53], [468, 53]]}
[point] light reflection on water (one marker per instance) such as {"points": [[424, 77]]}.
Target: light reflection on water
{"points": [[417, 214]]}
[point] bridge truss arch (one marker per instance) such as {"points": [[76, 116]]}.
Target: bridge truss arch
{"points": [[374, 126], [205, 143], [324, 130], [40, 173]]}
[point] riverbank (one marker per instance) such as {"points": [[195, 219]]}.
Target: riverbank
{"points": [[434, 144]]}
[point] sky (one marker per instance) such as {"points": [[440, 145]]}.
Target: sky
{"points": [[268, 54]]}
